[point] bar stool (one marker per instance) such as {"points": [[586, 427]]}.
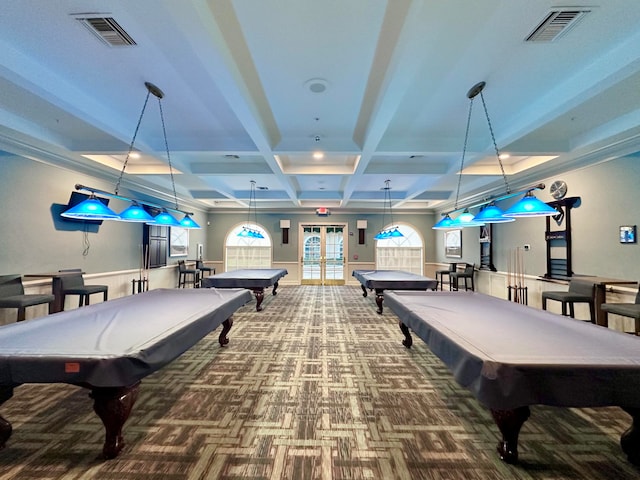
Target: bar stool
{"points": [[579, 292], [201, 266], [12, 295], [466, 274], [187, 275], [631, 310], [74, 285], [441, 273]]}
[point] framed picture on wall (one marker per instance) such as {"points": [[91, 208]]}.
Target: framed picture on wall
{"points": [[453, 243], [178, 242], [628, 234]]}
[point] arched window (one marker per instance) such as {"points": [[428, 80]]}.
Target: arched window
{"points": [[247, 252], [401, 253]]}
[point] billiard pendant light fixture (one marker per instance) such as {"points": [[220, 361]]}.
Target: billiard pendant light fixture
{"points": [[94, 209], [247, 231], [528, 206], [393, 231]]}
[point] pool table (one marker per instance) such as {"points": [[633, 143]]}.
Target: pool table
{"points": [[255, 279], [110, 347], [511, 356], [381, 280]]}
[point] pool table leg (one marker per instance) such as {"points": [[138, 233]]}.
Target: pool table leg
{"points": [[113, 406], [408, 341], [275, 287], [630, 439], [6, 393], [379, 299], [364, 291], [259, 293], [510, 422], [226, 326]]}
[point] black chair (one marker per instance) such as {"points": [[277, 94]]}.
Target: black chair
{"points": [[579, 292], [204, 269], [631, 310], [12, 296], [466, 274], [73, 284], [440, 274], [187, 275]]}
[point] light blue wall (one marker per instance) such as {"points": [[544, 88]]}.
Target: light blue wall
{"points": [[31, 244], [30, 241]]}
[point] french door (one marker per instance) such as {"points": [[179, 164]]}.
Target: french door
{"points": [[322, 258]]}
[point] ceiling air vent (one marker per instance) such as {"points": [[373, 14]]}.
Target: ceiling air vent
{"points": [[108, 31], [556, 24]]}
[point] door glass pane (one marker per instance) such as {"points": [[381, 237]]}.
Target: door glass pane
{"points": [[334, 253], [311, 253]]}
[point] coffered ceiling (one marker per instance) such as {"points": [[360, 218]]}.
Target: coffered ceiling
{"points": [[376, 89]]}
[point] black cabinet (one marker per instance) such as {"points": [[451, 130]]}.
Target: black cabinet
{"points": [[155, 241], [486, 250]]}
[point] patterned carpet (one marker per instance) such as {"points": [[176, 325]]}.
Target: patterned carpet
{"points": [[316, 386]]}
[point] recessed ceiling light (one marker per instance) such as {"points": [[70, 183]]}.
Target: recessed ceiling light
{"points": [[134, 155], [504, 156], [318, 155]]}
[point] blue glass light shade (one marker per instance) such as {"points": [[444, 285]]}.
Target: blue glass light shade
{"points": [[164, 218], [492, 214], [257, 234], [395, 233], [391, 232], [90, 209], [135, 213], [188, 222], [445, 223], [465, 219], [530, 206]]}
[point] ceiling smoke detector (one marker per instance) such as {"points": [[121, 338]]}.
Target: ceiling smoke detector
{"points": [[316, 85]]}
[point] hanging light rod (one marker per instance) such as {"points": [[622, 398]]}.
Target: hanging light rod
{"points": [[80, 187], [539, 186]]}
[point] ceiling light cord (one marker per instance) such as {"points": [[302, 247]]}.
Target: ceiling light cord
{"points": [[252, 201], [387, 198], [166, 146], [495, 145], [464, 151]]}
